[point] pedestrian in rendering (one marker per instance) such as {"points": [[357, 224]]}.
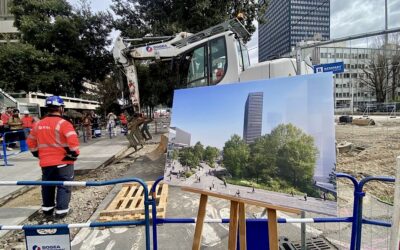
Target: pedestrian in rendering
{"points": [[210, 188], [54, 141], [225, 183], [291, 192], [199, 179], [324, 196], [238, 193], [253, 191], [305, 197]]}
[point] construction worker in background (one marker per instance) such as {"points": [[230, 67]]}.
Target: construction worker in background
{"points": [[5, 116], [124, 123], [27, 120], [54, 141], [14, 121]]}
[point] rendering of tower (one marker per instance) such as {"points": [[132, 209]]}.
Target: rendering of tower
{"points": [[253, 117]]}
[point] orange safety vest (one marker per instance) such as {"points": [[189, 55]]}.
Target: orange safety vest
{"points": [[27, 121], [5, 117], [52, 136]]}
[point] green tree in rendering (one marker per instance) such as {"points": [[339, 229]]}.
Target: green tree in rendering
{"points": [[210, 155], [199, 150], [187, 157], [236, 156], [262, 165], [296, 157], [175, 154]]}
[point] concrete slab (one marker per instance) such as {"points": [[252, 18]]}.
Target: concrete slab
{"points": [[15, 216], [100, 153]]}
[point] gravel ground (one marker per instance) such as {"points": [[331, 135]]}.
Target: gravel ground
{"points": [[84, 200]]}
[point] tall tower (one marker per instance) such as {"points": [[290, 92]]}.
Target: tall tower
{"points": [[253, 117], [289, 22]]}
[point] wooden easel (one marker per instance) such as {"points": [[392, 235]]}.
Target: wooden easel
{"points": [[237, 217]]}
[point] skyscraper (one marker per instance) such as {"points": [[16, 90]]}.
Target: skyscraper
{"points": [[289, 22], [253, 117]]}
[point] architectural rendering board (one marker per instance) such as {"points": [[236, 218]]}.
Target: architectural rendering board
{"points": [[267, 140]]}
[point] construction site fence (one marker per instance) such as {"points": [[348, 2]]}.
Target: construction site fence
{"points": [[356, 220]]}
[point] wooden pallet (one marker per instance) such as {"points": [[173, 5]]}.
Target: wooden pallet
{"points": [[128, 204]]}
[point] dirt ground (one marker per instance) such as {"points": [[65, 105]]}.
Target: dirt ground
{"points": [[373, 153]]}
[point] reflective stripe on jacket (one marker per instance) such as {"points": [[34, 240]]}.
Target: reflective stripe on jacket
{"points": [[52, 137]]}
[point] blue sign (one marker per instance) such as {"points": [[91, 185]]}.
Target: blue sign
{"points": [[335, 68]]}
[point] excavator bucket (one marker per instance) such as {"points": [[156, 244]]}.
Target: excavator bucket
{"points": [[160, 150]]}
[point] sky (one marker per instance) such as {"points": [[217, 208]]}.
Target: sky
{"points": [[213, 114], [348, 17]]}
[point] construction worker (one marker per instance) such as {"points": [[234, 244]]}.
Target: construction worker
{"points": [[54, 141], [27, 120]]}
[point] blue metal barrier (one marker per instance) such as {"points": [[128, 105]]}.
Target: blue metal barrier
{"points": [[147, 203], [22, 144], [356, 220]]}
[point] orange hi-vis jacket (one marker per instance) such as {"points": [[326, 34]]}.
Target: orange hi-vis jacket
{"points": [[27, 121], [52, 137]]}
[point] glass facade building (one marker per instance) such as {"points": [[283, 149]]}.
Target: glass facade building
{"points": [[289, 22], [253, 117]]}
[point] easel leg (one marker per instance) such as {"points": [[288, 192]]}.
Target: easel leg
{"points": [[233, 226], [242, 226], [272, 229], [199, 222]]}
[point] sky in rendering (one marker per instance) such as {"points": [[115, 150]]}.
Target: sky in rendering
{"points": [[348, 17], [213, 114]]}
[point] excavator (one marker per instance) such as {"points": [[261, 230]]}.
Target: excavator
{"points": [[214, 56]]}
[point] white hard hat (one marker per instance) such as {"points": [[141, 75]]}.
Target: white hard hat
{"points": [[26, 112]]}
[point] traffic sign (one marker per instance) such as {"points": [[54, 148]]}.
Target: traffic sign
{"points": [[337, 67]]}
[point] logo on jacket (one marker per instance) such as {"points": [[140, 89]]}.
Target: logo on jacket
{"points": [[36, 248], [149, 49]]}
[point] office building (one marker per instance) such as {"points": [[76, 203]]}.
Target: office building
{"points": [[7, 30], [289, 22], [350, 93], [253, 117]]}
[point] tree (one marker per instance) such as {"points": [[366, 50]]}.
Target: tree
{"points": [[210, 155], [24, 67], [108, 94], [236, 155], [376, 76], [296, 157], [62, 46], [138, 18], [382, 73], [199, 150], [262, 163], [187, 157], [175, 154]]}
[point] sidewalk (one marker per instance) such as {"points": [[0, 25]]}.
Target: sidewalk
{"points": [[94, 154]]}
